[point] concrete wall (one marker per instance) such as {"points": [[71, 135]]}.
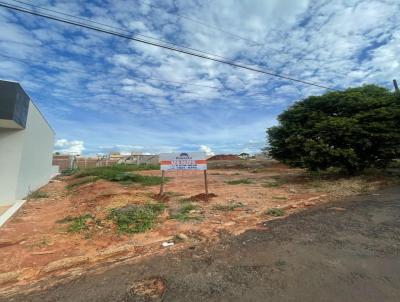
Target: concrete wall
{"points": [[25, 157], [11, 142]]}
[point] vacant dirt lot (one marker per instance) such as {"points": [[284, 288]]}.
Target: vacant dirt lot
{"points": [[38, 244], [341, 251]]}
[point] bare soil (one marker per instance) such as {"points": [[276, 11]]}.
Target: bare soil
{"points": [[34, 238], [345, 250]]}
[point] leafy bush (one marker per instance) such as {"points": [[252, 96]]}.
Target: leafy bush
{"points": [[136, 218], [351, 130]]}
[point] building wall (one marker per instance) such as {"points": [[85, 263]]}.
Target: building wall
{"points": [[37, 154], [11, 142], [26, 156]]}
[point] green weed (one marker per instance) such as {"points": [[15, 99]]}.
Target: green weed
{"points": [[69, 172], [121, 173], [276, 212], [76, 224], [38, 194], [136, 218], [184, 214], [82, 182]]}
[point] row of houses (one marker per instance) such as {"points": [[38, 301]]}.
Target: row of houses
{"points": [[67, 161]]}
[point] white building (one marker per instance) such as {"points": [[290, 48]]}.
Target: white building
{"points": [[26, 145]]}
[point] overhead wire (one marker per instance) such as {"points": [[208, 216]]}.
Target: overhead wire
{"points": [[175, 49], [58, 66]]}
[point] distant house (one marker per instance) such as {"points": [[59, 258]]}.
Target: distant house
{"points": [[26, 145], [244, 155]]}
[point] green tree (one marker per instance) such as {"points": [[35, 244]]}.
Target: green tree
{"points": [[352, 130]]}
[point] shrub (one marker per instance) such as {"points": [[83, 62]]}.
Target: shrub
{"points": [[352, 130]]}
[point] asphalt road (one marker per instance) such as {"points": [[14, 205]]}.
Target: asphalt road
{"points": [[321, 254]]}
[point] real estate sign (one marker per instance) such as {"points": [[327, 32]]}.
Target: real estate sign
{"points": [[183, 161]]}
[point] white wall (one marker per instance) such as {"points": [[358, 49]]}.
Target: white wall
{"points": [[11, 142], [25, 157]]}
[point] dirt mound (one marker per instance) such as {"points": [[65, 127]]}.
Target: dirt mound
{"points": [[202, 197], [224, 157], [160, 197]]}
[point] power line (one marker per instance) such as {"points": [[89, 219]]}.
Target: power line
{"points": [[58, 65], [119, 28], [121, 35], [141, 35], [184, 16]]}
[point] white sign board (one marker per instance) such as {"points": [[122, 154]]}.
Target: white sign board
{"points": [[183, 161]]}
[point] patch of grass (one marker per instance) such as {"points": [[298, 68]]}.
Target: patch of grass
{"points": [[245, 181], [77, 223], [275, 212], [38, 194], [136, 218], [82, 182], [121, 173], [228, 207], [69, 172], [184, 213]]}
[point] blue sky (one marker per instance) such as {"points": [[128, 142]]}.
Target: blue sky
{"points": [[101, 93]]}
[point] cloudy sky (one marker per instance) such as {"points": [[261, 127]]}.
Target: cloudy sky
{"points": [[102, 93]]}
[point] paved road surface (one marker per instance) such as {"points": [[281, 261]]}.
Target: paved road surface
{"points": [[317, 255]]}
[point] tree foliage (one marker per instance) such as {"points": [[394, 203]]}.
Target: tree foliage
{"points": [[352, 130]]}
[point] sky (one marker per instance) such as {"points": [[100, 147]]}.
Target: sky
{"points": [[101, 93]]}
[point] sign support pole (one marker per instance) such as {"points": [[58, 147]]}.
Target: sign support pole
{"points": [[162, 182], [205, 182]]}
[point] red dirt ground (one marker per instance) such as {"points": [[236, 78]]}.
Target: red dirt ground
{"points": [[33, 238]]}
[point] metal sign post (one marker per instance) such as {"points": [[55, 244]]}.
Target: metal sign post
{"points": [[162, 182], [205, 182], [183, 161]]}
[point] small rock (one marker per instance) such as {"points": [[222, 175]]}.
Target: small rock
{"points": [[9, 277], [309, 204], [182, 236]]}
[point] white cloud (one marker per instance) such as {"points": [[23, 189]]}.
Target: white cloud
{"points": [[206, 149], [69, 147]]}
